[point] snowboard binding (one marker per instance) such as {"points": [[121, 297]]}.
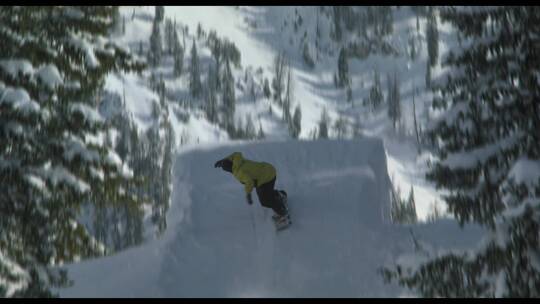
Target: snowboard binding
{"points": [[284, 221]]}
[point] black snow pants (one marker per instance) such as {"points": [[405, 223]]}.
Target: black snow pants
{"points": [[270, 198]]}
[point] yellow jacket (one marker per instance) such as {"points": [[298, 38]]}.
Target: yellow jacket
{"points": [[251, 173]]}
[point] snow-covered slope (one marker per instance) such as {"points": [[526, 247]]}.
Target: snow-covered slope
{"points": [[218, 246], [260, 33]]}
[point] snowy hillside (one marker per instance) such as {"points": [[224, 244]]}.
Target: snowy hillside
{"points": [[260, 34], [218, 246], [394, 129]]}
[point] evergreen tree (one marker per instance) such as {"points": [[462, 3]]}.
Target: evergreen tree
{"points": [[48, 168], [296, 125], [349, 94], [323, 124], [432, 37], [141, 50], [116, 28], [337, 22], [357, 128], [159, 14], [266, 89], [215, 45], [411, 208], [178, 55], [394, 103], [428, 76], [249, 132], [260, 134], [403, 211], [166, 173], [171, 37], [375, 93], [195, 86], [413, 52], [488, 143], [307, 56], [343, 68], [416, 129], [278, 81], [211, 96], [157, 189], [434, 214], [341, 126], [287, 99], [229, 99], [155, 53]]}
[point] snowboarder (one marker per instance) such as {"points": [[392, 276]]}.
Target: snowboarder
{"points": [[262, 176]]}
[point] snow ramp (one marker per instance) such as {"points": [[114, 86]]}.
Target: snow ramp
{"points": [[216, 245]]}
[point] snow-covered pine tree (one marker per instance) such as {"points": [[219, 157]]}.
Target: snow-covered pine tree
{"points": [[337, 32], [140, 51], [249, 132], [211, 95], [159, 145], [432, 36], [195, 86], [343, 68], [287, 99], [375, 93], [178, 55], [260, 134], [394, 100], [278, 82], [296, 125], [155, 53], [166, 171], [231, 52], [229, 99], [428, 76], [307, 55], [170, 36], [323, 124], [434, 213], [411, 216], [413, 49], [266, 89], [356, 127], [489, 148], [214, 43], [116, 28], [53, 62], [340, 126], [159, 13], [416, 128], [348, 91]]}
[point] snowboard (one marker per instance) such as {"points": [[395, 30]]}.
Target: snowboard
{"points": [[280, 225]]}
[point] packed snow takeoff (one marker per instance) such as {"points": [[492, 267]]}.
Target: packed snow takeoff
{"points": [[216, 247]]}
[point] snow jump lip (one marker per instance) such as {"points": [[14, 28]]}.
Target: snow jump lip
{"points": [[218, 246], [337, 191]]}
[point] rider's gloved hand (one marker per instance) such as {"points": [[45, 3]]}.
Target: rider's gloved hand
{"points": [[218, 164]]}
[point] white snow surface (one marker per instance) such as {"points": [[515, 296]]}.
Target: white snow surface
{"points": [[50, 76], [216, 245], [525, 171]]}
